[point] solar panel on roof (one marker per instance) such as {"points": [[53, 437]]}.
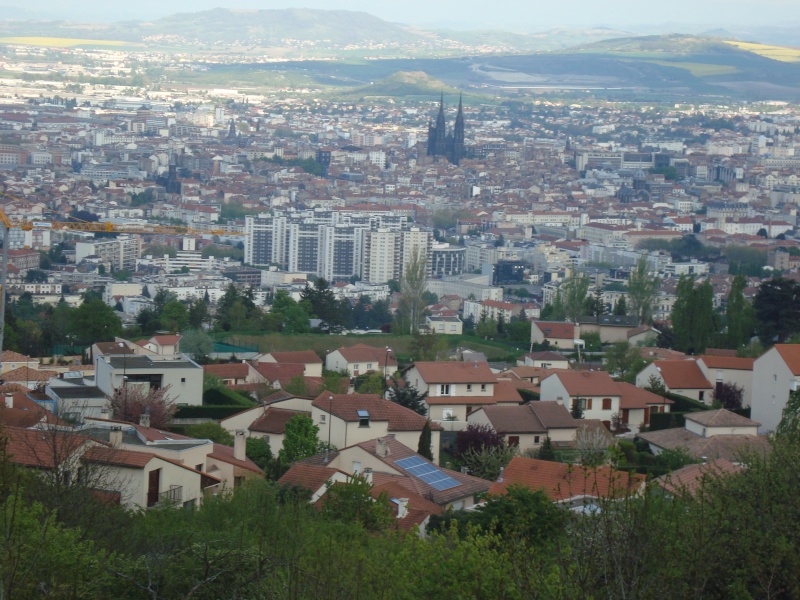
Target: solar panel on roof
{"points": [[363, 414], [426, 472]]}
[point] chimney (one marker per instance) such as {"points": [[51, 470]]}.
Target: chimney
{"points": [[115, 437], [239, 445], [402, 507], [382, 448], [367, 475], [9, 400], [144, 419]]}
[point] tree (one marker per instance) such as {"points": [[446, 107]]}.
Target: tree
{"points": [[642, 291], [293, 316], [425, 346], [352, 502], [324, 306], [576, 410], [210, 431], [259, 451], [740, 315], [592, 444], [777, 310], [693, 318], [728, 396], [546, 451], [197, 344], [656, 385], [35, 276], [199, 314], [426, 441], [412, 288], [623, 361], [574, 295], [407, 395], [477, 437], [174, 316], [95, 321], [129, 402], [370, 383], [487, 329], [621, 307], [300, 439], [297, 386]]}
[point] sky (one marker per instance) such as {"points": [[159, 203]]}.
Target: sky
{"points": [[523, 16]]}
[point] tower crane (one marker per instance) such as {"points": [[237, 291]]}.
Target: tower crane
{"points": [[6, 224]]}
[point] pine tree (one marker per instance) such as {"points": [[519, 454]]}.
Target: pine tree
{"points": [[545, 451], [621, 307], [425, 442]]}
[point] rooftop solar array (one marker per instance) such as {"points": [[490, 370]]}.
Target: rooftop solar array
{"points": [[427, 472]]}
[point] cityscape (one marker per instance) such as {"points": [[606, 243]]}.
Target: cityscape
{"points": [[306, 303]]}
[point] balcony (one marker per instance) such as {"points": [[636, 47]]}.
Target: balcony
{"points": [[174, 495]]}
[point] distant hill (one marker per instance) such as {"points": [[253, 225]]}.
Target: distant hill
{"points": [[405, 83]]}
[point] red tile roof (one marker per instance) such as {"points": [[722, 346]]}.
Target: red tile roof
{"points": [[42, 449], [228, 370], [526, 418], [363, 353], [302, 357], [728, 362], [790, 353], [556, 330], [587, 383], [691, 478], [28, 374], [419, 508], [682, 374], [225, 454], [632, 397], [346, 407], [25, 412], [279, 371], [274, 420], [562, 481], [455, 372], [117, 457], [306, 476], [165, 340]]}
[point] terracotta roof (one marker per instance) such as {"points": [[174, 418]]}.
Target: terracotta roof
{"points": [[526, 418], [546, 355], [307, 476], [25, 412], [302, 357], [690, 478], [11, 356], [790, 353], [455, 372], [274, 420], [279, 371], [682, 374], [42, 449], [632, 397], [587, 383], [117, 457], [728, 362], [363, 353], [721, 418], [556, 330], [562, 481], [729, 447], [28, 374], [720, 352], [346, 407], [419, 508], [225, 454], [166, 340], [228, 370], [468, 485], [505, 391]]}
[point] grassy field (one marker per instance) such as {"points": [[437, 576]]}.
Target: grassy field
{"points": [[400, 344], [56, 42], [698, 69], [781, 53]]}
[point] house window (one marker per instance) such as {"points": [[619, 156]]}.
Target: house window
{"points": [[369, 366], [513, 441], [363, 418], [356, 467], [469, 387], [266, 439], [198, 467], [444, 389], [536, 439], [606, 403], [483, 387], [701, 396], [183, 379], [584, 403], [322, 418]]}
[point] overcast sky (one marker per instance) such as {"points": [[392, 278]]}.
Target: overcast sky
{"points": [[517, 15]]}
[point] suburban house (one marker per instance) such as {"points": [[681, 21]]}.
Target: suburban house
{"points": [[730, 370], [573, 486], [602, 398], [710, 435], [545, 360], [683, 377], [74, 401], [455, 389], [20, 409], [150, 372], [271, 426], [14, 360], [385, 459], [776, 373], [610, 328], [444, 325], [557, 334], [312, 363], [359, 359], [527, 425], [163, 345], [688, 480], [234, 373], [347, 419]]}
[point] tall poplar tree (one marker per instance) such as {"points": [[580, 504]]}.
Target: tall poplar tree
{"points": [[740, 315], [693, 318], [412, 287], [642, 290]]}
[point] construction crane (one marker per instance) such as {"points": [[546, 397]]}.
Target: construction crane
{"points": [[7, 224]]}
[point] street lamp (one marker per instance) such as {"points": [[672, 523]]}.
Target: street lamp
{"points": [[330, 414], [385, 367]]}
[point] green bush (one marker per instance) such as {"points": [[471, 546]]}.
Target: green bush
{"points": [[669, 420], [225, 397], [214, 413], [528, 395], [684, 404]]}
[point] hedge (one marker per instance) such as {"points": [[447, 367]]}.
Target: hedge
{"points": [[208, 412], [225, 397], [684, 404], [669, 420], [528, 395]]}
